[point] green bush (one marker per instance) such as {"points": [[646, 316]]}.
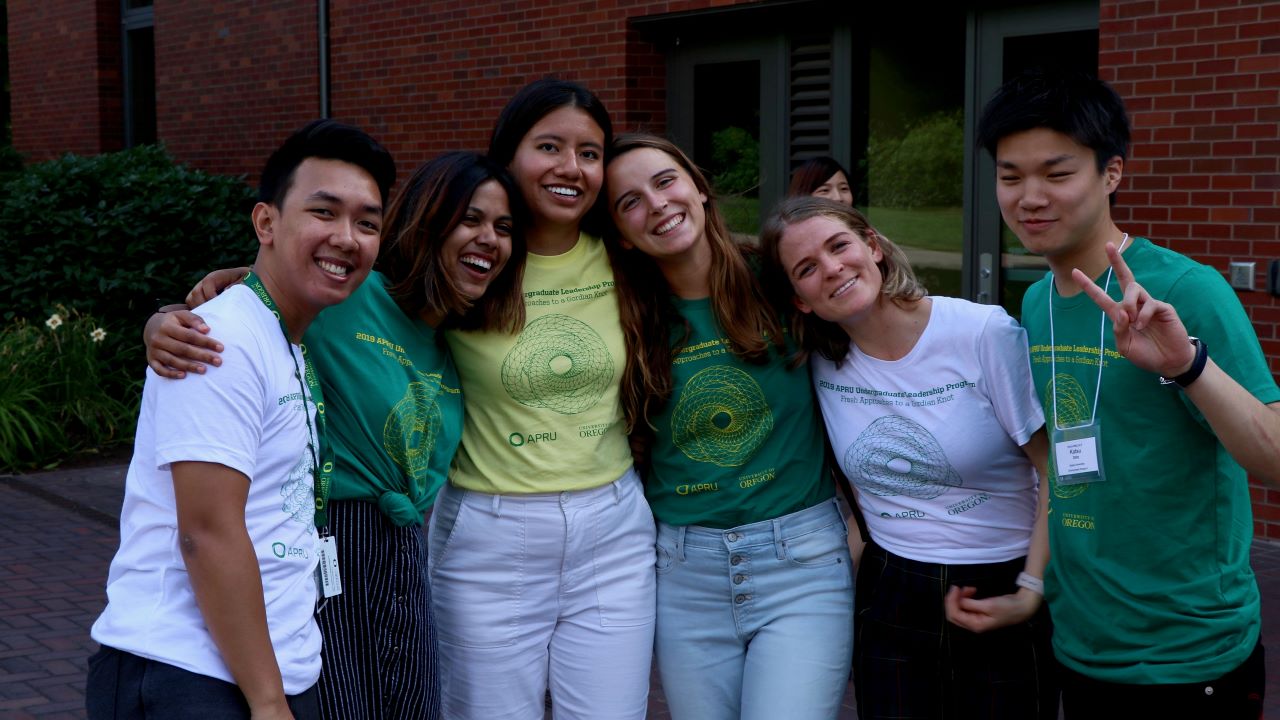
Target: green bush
{"points": [[10, 163], [113, 234], [99, 242], [923, 168], [736, 155], [64, 389]]}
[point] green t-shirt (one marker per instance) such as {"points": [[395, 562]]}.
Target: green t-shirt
{"points": [[543, 410], [392, 402], [737, 443], [1149, 580]]}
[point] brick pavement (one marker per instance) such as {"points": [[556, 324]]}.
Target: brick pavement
{"points": [[52, 579], [58, 531]]}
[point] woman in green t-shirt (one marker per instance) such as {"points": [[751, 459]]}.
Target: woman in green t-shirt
{"points": [[451, 257], [755, 594]]}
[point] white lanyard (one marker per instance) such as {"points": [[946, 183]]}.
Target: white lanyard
{"points": [[1053, 359]]}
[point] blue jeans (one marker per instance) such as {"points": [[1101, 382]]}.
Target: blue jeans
{"points": [[124, 686], [756, 621]]}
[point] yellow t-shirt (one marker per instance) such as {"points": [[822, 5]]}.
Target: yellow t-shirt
{"points": [[542, 407]]}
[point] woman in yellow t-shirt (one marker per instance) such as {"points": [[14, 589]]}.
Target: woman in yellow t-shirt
{"points": [[541, 544]]}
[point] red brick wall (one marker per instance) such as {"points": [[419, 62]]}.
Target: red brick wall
{"points": [[1202, 82], [64, 69], [234, 78], [429, 77]]}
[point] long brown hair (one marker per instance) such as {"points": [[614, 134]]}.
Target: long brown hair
{"points": [[654, 331], [433, 201], [812, 333]]}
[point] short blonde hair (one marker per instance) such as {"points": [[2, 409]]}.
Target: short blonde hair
{"points": [[813, 334]]}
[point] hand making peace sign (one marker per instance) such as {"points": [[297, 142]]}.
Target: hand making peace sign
{"points": [[1148, 332]]}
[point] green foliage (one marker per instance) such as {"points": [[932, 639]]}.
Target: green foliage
{"points": [[10, 163], [930, 228], [741, 214], [737, 161], [64, 388], [924, 167], [99, 242], [114, 234]]}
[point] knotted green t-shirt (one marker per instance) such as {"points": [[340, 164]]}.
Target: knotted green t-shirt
{"points": [[393, 402]]}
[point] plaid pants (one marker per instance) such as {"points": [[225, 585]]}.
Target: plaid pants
{"points": [[909, 662]]}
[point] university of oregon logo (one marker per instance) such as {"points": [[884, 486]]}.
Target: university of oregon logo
{"points": [[1073, 409], [721, 418], [559, 363], [410, 432], [897, 456]]}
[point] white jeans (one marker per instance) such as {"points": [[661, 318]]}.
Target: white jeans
{"points": [[550, 590]]}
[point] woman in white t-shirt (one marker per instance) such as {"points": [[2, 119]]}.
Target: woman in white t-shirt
{"points": [[932, 416]]}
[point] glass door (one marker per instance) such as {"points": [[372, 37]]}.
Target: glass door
{"points": [[723, 101], [1003, 43]]}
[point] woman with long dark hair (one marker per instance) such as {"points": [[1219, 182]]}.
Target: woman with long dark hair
{"points": [[542, 542]]}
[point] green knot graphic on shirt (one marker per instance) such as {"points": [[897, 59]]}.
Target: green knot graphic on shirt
{"points": [[412, 426], [1072, 409], [559, 363], [897, 456], [299, 490], [721, 418]]}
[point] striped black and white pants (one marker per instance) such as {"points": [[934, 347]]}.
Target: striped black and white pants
{"points": [[379, 654]]}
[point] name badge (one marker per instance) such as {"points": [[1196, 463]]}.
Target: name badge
{"points": [[1077, 454], [327, 572]]}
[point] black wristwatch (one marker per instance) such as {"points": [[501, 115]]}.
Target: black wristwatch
{"points": [[1197, 366]]}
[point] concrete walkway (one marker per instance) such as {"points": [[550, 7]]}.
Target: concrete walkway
{"points": [[59, 530]]}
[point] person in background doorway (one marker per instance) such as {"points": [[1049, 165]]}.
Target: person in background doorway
{"points": [[822, 177]]}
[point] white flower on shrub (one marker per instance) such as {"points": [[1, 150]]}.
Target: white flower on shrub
{"points": [[98, 335], [54, 321]]}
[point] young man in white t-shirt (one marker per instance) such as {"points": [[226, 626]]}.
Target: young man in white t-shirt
{"points": [[211, 595]]}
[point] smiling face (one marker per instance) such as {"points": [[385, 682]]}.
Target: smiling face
{"points": [[1052, 196], [320, 242], [657, 207], [559, 166], [478, 248], [832, 270], [835, 188]]}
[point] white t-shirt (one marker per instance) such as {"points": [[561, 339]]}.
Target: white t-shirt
{"points": [[932, 442], [249, 415]]}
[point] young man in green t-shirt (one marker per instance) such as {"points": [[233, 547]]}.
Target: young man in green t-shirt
{"points": [[1160, 401]]}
